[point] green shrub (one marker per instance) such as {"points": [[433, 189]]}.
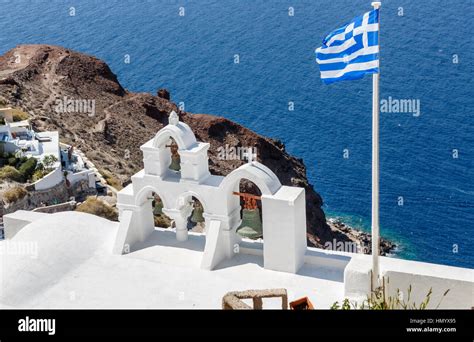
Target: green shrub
{"points": [[16, 161], [38, 174], [49, 160], [10, 173], [379, 300], [28, 168], [12, 161], [14, 194], [96, 207]]}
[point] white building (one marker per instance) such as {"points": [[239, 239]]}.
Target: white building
{"points": [[19, 137], [283, 207]]}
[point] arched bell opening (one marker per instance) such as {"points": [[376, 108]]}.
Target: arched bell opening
{"points": [[196, 221], [159, 217], [175, 164], [251, 210]]}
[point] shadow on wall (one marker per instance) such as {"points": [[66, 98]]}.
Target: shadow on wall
{"points": [[329, 266], [166, 237]]}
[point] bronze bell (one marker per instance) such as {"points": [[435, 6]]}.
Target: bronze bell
{"points": [[175, 159], [251, 226], [175, 163], [197, 213], [157, 207]]}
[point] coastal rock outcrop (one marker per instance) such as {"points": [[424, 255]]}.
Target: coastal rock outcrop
{"points": [[163, 93]]}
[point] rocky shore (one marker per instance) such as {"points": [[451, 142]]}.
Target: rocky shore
{"points": [[362, 241]]}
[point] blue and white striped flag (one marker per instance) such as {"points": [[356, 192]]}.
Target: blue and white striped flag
{"points": [[351, 51]]}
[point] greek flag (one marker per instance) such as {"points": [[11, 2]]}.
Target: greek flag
{"points": [[351, 51]]}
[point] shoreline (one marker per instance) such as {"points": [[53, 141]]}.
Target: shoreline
{"points": [[360, 241]]}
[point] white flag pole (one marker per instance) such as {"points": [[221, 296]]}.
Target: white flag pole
{"points": [[375, 170]]}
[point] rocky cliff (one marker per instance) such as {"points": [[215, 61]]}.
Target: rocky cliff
{"points": [[34, 77]]}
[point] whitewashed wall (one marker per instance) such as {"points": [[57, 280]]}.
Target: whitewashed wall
{"points": [[400, 274], [51, 179], [87, 175]]}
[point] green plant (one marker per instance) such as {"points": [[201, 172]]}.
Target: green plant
{"points": [[12, 161], [378, 300], [49, 160], [346, 305], [40, 173], [27, 168], [14, 194], [10, 173], [97, 207], [37, 175]]}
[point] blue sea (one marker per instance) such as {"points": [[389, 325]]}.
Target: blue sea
{"points": [[426, 54]]}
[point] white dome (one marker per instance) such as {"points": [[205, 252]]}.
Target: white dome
{"points": [[51, 247]]}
